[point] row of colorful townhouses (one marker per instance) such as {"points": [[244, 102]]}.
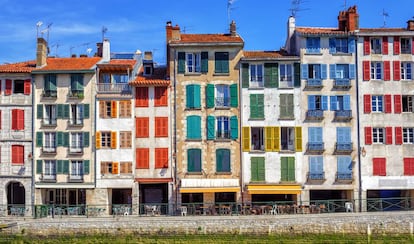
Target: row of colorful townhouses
{"points": [[328, 117]]}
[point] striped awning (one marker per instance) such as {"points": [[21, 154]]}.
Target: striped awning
{"points": [[274, 189]]}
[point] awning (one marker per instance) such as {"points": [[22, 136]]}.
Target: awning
{"points": [[209, 189], [153, 180], [274, 189]]}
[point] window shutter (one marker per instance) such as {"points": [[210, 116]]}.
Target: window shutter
{"points": [[367, 72], [86, 111], [113, 139], [194, 127], [211, 127], [324, 102], [398, 136], [276, 142], [98, 140], [311, 102], [367, 48], [181, 62], [397, 104], [269, 138], [368, 135], [66, 109], [219, 159], [332, 71], [367, 104], [39, 139], [161, 158], [114, 109], [20, 119], [291, 169], [65, 139], [234, 128], [246, 139], [234, 98], [102, 109], [86, 166], [59, 108], [333, 101], [351, 45], [189, 96], [304, 71], [324, 71], [196, 96], [351, 71], [0, 116], [39, 166], [14, 119], [397, 70], [59, 138], [388, 103], [298, 139], [396, 45], [385, 45], [379, 166], [296, 78], [142, 158], [65, 167], [27, 87], [204, 62], [221, 62], [39, 111], [271, 75], [210, 95], [284, 169], [347, 102], [8, 90], [412, 46], [85, 138], [59, 166], [115, 168], [387, 70], [388, 135], [332, 45], [245, 75]]}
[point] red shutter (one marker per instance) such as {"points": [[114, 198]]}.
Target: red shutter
{"points": [[142, 127], [396, 45], [387, 70], [367, 104], [17, 154], [388, 103], [397, 104], [142, 158], [161, 158], [8, 90], [14, 119], [385, 45], [367, 48], [141, 97], [20, 120], [388, 135], [367, 72], [397, 70], [0, 118], [27, 87], [379, 167], [368, 135], [408, 166], [398, 135], [160, 98]]}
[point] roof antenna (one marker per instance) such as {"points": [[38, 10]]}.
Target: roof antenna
{"points": [[384, 15], [38, 24], [296, 7], [229, 9], [345, 4], [104, 30]]}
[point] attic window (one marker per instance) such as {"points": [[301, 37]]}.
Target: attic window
{"points": [[147, 70]]}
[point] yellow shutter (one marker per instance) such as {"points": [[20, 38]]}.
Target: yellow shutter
{"points": [[115, 168], [98, 140], [113, 139], [298, 139], [246, 139], [114, 109], [276, 142], [269, 138], [102, 109]]}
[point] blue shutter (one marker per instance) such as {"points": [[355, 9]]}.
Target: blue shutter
{"points": [[332, 45], [334, 103], [324, 102], [315, 134], [352, 71], [332, 71], [351, 45], [197, 97], [311, 102], [308, 45], [189, 96], [210, 96], [234, 128], [324, 72], [316, 164], [211, 127], [343, 134], [347, 102], [344, 164], [318, 44], [304, 71]]}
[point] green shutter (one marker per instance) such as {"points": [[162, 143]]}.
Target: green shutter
{"points": [[234, 128], [65, 139], [291, 169], [221, 62], [197, 96], [65, 167], [283, 168], [245, 76], [257, 106], [211, 120], [66, 109], [210, 95], [290, 109], [40, 111], [85, 138], [60, 111], [181, 62], [219, 160], [193, 127], [53, 83], [47, 82], [204, 62], [189, 96], [39, 166], [257, 169], [271, 75], [39, 139], [86, 167], [59, 168], [286, 106], [59, 138], [234, 98], [86, 111], [296, 81], [80, 83]]}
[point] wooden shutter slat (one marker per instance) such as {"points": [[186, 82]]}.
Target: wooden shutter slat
{"points": [[367, 103], [98, 139], [27, 87], [8, 90], [397, 70], [385, 45], [398, 136], [298, 139], [246, 139], [113, 139], [367, 48], [368, 135], [396, 45], [387, 70], [366, 70], [388, 135], [114, 109], [388, 103]]}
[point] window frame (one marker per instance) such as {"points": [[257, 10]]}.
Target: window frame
{"points": [[125, 108], [76, 168], [405, 45], [221, 62], [339, 45], [125, 139], [76, 114], [378, 135], [255, 80], [106, 139], [50, 141], [286, 70], [376, 45], [222, 96], [406, 71], [195, 65], [222, 132], [408, 135], [376, 70], [377, 103], [17, 153], [76, 142]]}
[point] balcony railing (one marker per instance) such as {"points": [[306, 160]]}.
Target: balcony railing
{"points": [[343, 115], [114, 88], [75, 150], [315, 177], [49, 94], [49, 177], [286, 84], [223, 102], [49, 122], [76, 178], [343, 148], [75, 122], [223, 135], [315, 147], [76, 94], [313, 84], [256, 84], [342, 83], [344, 178], [314, 115], [49, 150]]}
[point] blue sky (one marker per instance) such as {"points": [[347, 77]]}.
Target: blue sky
{"points": [[76, 25]]}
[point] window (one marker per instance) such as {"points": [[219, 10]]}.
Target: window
{"points": [[378, 135], [120, 78], [315, 135], [316, 168], [340, 103], [406, 71], [193, 127], [377, 103], [142, 158], [344, 167], [76, 114], [376, 45], [50, 87], [17, 154], [379, 166], [257, 138], [315, 71], [317, 102], [193, 96], [141, 97], [256, 106], [257, 165], [223, 127], [142, 127], [147, 70], [161, 126], [125, 138], [108, 109], [287, 169], [193, 61], [161, 96], [408, 166], [76, 85], [408, 135], [125, 109], [50, 142], [49, 117], [256, 75], [343, 139], [222, 96], [342, 71], [194, 160], [407, 103], [126, 167], [405, 44], [18, 87], [106, 139], [161, 158], [50, 169], [376, 71], [17, 119], [109, 168], [287, 138], [286, 106], [313, 45], [76, 169], [221, 62], [341, 45], [286, 73], [76, 145], [223, 160]]}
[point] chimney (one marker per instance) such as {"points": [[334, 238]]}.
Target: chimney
{"points": [[348, 20], [99, 49], [148, 55], [233, 28], [41, 52], [106, 51], [410, 25]]}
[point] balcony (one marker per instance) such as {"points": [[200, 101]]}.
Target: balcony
{"points": [[76, 94], [75, 122], [49, 151], [342, 84], [313, 84], [46, 122], [49, 94], [315, 178], [48, 178], [222, 102], [75, 150], [343, 148], [77, 178], [223, 135], [343, 178], [315, 148], [286, 84], [256, 84], [114, 88], [314, 115], [343, 115]]}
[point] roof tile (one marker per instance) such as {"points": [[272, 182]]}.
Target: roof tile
{"points": [[63, 64], [156, 79], [208, 38], [21, 67]]}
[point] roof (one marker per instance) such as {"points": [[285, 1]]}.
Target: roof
{"points": [[208, 38], [371, 30], [69, 64], [21, 67], [118, 65], [267, 55], [320, 30], [156, 79]]}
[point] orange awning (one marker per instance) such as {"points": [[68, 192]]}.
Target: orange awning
{"points": [[208, 189], [274, 189]]}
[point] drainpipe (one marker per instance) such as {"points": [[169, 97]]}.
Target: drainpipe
{"points": [[32, 160], [175, 127], [358, 124], [93, 103], [240, 134]]}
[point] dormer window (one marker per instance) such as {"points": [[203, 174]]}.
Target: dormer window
{"points": [[147, 70]]}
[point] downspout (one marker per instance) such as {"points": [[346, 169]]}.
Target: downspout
{"points": [[240, 137], [175, 128], [93, 99], [33, 148], [358, 124]]}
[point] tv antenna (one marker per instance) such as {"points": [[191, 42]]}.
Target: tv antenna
{"points": [[56, 45], [229, 9], [104, 30], [345, 4], [384, 16], [296, 7], [38, 24]]}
